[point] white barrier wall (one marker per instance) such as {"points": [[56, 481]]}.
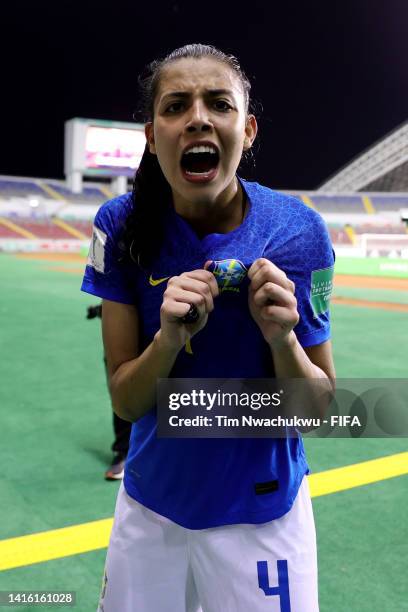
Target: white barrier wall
{"points": [[17, 245], [348, 251], [32, 208]]}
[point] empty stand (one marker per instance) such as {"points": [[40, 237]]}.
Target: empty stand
{"points": [[20, 189], [60, 215], [368, 228], [82, 226], [7, 232], [89, 194], [338, 204], [43, 228], [51, 190], [389, 202]]}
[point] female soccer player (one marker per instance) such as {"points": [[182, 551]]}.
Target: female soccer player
{"points": [[225, 524]]}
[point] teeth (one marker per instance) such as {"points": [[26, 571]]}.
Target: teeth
{"points": [[201, 149], [196, 173]]}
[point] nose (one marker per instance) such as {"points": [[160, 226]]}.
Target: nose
{"points": [[198, 119]]}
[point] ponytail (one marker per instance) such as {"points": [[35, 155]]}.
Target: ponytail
{"points": [[151, 201]]}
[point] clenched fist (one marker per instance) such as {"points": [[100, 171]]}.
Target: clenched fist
{"points": [[272, 301], [198, 287]]}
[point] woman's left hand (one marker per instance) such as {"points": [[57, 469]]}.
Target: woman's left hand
{"points": [[272, 302]]}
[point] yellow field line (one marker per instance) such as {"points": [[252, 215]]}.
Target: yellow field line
{"points": [[357, 475], [68, 541], [69, 229], [54, 544], [17, 229]]}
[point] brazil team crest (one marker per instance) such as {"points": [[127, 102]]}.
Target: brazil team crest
{"points": [[229, 273]]}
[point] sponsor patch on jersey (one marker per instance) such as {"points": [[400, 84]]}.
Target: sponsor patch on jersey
{"points": [[321, 290], [96, 255], [229, 273], [262, 488]]}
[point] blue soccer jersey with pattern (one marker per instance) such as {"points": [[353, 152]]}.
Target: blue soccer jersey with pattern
{"points": [[202, 483]]}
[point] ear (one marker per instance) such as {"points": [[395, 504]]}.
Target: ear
{"points": [[149, 133], [251, 130]]}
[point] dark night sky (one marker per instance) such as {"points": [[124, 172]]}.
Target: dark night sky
{"points": [[331, 75]]}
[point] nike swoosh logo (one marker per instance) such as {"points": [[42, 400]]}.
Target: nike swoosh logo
{"points": [[157, 281]]}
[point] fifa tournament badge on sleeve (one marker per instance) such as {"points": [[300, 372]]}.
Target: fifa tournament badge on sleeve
{"points": [[96, 255], [321, 290]]}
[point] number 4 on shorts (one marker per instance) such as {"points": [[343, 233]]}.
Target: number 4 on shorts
{"points": [[283, 583]]}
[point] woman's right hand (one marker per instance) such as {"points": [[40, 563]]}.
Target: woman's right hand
{"points": [[198, 287]]}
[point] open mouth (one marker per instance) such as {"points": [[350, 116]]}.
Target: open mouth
{"points": [[200, 163]]}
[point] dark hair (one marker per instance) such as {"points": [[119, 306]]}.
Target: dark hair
{"points": [[151, 192]]}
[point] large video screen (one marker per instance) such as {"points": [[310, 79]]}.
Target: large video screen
{"points": [[115, 150]]}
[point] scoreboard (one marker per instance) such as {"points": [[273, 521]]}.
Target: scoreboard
{"points": [[99, 148]]}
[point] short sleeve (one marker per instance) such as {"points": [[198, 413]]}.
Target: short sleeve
{"points": [[314, 281], [105, 276]]}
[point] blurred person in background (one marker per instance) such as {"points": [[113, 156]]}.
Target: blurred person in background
{"points": [[121, 428]]}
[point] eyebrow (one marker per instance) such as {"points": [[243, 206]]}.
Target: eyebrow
{"points": [[211, 92]]}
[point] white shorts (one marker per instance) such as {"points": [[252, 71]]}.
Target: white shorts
{"points": [[154, 565]]}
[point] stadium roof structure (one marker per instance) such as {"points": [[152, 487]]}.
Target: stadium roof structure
{"points": [[382, 167]]}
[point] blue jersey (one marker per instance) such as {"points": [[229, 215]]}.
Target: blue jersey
{"points": [[201, 483]]}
